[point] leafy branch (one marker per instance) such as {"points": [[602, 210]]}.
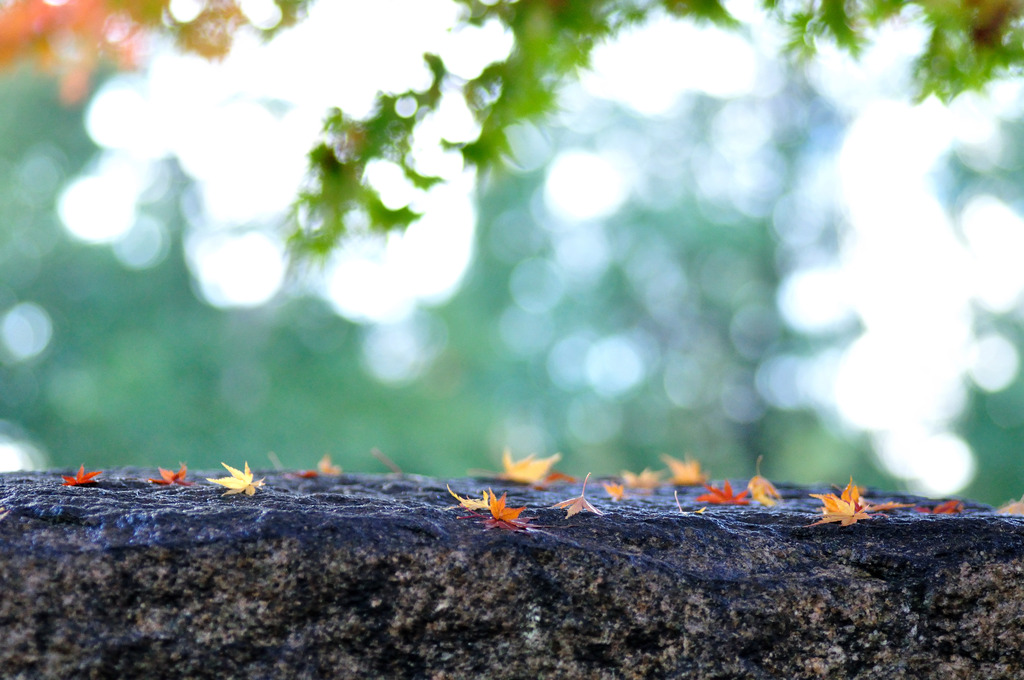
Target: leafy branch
{"points": [[969, 44]]}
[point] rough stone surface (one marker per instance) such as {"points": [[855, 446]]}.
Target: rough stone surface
{"points": [[376, 576]]}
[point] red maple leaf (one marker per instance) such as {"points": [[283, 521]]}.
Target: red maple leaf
{"points": [[81, 478], [169, 477], [948, 508], [723, 496], [302, 474]]}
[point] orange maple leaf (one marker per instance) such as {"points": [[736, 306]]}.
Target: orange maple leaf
{"points": [[553, 477], [645, 480], [616, 491], [326, 467], [302, 474], [81, 479], [579, 503], [761, 490], [502, 517], [723, 496], [952, 507], [527, 470], [1012, 508], [169, 477], [684, 473], [850, 507]]}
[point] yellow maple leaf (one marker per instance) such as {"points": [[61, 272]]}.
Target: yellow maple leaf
{"points": [[1012, 508], [680, 506], [238, 482], [761, 490], [527, 470], [472, 503], [850, 508], [684, 473], [579, 503], [845, 509], [645, 480], [326, 467], [616, 491]]}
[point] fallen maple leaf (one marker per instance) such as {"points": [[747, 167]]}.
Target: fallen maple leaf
{"points": [[846, 509], [326, 467], [1012, 508], [723, 496], [849, 508], [302, 474], [680, 506], [684, 473], [761, 490], [527, 470], [579, 503], [238, 482], [645, 480], [948, 508], [81, 479], [169, 477], [552, 478], [502, 517], [616, 491], [472, 503]]}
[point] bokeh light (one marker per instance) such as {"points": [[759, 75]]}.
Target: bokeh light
{"points": [[892, 284]]}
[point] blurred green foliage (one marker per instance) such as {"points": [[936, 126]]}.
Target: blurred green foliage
{"points": [[139, 371]]}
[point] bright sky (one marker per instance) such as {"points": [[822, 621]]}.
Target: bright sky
{"points": [[904, 271]]}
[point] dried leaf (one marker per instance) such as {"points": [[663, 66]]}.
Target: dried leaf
{"points": [[953, 507], [552, 478], [849, 508], [616, 491], [645, 480], [238, 482], [326, 467], [1012, 508], [761, 490], [846, 509], [527, 470], [723, 496], [472, 503], [169, 477], [499, 511], [684, 473], [680, 506], [82, 478], [579, 503], [502, 517]]}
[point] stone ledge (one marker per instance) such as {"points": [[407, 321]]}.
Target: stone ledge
{"points": [[375, 576]]}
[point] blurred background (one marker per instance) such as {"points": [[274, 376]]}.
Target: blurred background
{"points": [[705, 251]]}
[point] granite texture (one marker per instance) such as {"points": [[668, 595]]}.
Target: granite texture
{"points": [[367, 576]]}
